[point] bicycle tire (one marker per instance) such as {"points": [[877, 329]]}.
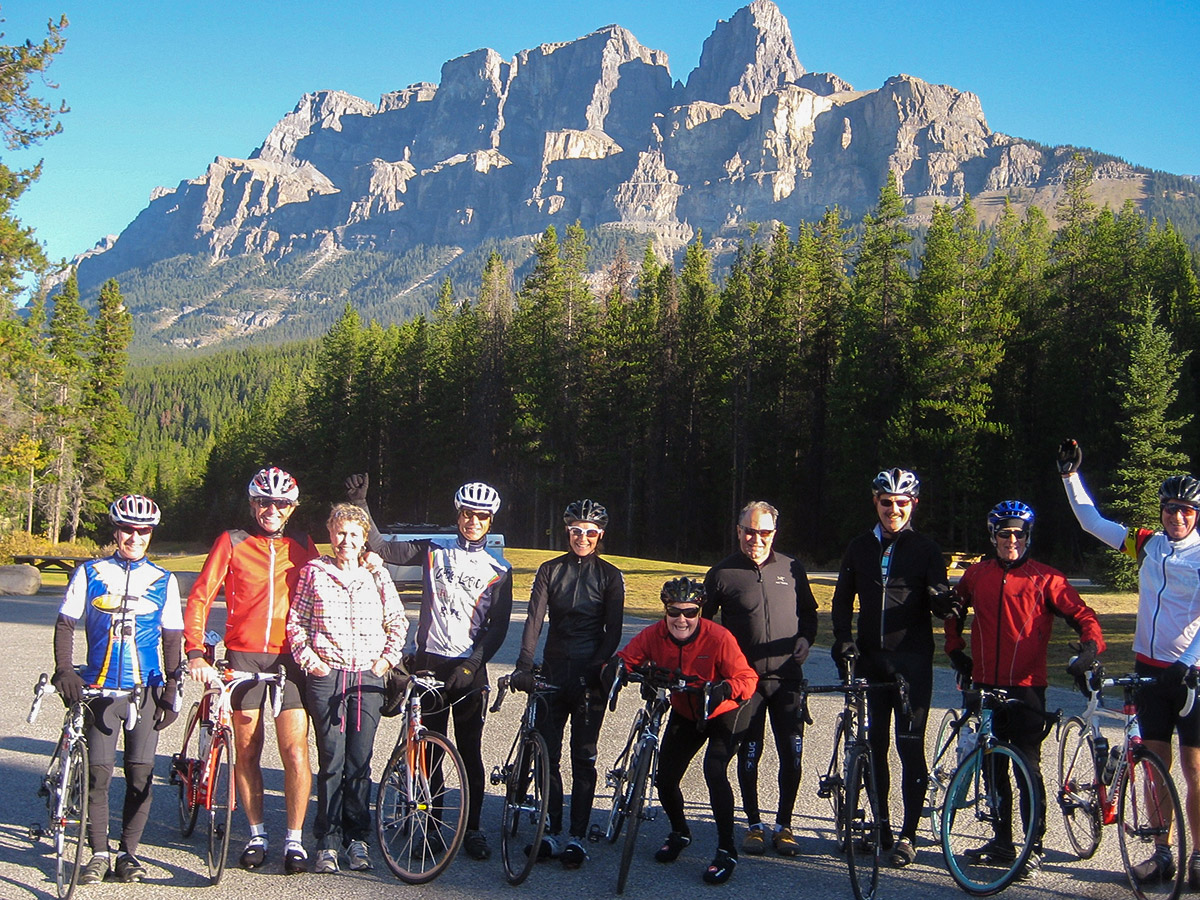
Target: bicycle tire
{"points": [[941, 768], [526, 801], [70, 821], [220, 804], [421, 808], [619, 777], [185, 771], [1079, 787], [640, 788], [1139, 821], [975, 798], [832, 785], [863, 828]]}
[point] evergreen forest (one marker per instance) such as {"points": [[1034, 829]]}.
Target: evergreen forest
{"points": [[824, 354]]}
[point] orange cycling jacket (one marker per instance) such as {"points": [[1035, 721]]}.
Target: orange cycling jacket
{"points": [[259, 574]]}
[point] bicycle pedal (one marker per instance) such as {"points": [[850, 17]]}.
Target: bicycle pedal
{"points": [[595, 832], [36, 832], [498, 775]]}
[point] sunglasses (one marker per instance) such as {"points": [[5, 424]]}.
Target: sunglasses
{"points": [[589, 533], [476, 514], [1178, 509], [268, 502], [144, 531], [1012, 534], [763, 533], [688, 613], [898, 502]]}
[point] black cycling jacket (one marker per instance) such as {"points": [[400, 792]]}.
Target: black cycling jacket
{"points": [[896, 618], [768, 608], [585, 596]]}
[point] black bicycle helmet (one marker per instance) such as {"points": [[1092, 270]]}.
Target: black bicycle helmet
{"points": [[1180, 489], [1010, 511], [134, 510], [896, 481], [586, 511], [683, 590]]}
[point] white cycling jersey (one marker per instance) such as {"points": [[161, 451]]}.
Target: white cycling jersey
{"points": [[1168, 617]]}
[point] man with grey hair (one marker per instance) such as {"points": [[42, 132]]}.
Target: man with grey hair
{"points": [[764, 598]]}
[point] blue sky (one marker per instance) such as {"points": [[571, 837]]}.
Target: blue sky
{"points": [[158, 89]]}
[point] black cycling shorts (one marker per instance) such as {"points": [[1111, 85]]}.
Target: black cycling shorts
{"points": [[254, 695], [1158, 710]]}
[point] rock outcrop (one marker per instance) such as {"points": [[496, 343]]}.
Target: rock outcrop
{"points": [[592, 129]]}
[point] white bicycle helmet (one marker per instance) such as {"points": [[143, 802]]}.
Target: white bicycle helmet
{"points": [[134, 510], [275, 484], [477, 495], [896, 481]]}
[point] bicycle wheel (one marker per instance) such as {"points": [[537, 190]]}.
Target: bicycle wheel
{"points": [[1079, 787], [220, 802], [1147, 808], [639, 787], [985, 838], [863, 829], [185, 773], [526, 796], [832, 785], [421, 809], [70, 820], [619, 778], [941, 769]]}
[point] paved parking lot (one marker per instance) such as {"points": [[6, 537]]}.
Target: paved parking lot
{"points": [[176, 865]]}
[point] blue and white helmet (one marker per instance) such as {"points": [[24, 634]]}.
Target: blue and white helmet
{"points": [[1010, 513]]}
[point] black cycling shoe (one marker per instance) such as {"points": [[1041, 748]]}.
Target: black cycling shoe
{"points": [[995, 851], [1194, 871], [721, 868], [255, 853], [295, 861], [672, 847], [1031, 868], [574, 855], [1158, 868]]}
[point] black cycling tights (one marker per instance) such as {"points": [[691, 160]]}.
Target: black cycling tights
{"points": [[682, 740]]}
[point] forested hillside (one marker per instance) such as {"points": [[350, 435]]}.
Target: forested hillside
{"points": [[819, 360]]}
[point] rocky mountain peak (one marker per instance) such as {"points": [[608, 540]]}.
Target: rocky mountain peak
{"points": [[745, 58]]}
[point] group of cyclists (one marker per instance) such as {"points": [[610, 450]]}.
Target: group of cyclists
{"points": [[892, 587]]}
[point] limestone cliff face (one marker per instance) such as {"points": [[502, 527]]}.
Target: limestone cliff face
{"points": [[592, 129]]}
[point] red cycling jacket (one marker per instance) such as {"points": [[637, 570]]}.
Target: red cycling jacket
{"points": [[712, 654], [1014, 616], [259, 574]]}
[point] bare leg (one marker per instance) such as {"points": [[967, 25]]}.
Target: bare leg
{"points": [[291, 731], [248, 740]]}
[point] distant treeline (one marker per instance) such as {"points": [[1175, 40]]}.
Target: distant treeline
{"points": [[821, 359]]}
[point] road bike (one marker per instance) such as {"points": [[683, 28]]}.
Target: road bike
{"points": [[421, 807], [849, 782], [526, 779], [203, 769], [984, 850], [1126, 784], [633, 774], [955, 737], [65, 784]]}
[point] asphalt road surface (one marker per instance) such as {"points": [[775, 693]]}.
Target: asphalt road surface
{"points": [[176, 865]]}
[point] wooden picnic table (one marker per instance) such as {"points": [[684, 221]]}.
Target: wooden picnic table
{"points": [[66, 564]]}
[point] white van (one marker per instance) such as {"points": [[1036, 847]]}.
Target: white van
{"points": [[409, 577]]}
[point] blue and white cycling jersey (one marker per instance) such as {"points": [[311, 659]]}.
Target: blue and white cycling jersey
{"points": [[124, 607]]}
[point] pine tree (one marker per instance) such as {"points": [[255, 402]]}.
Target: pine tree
{"points": [[1150, 435], [108, 433]]}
